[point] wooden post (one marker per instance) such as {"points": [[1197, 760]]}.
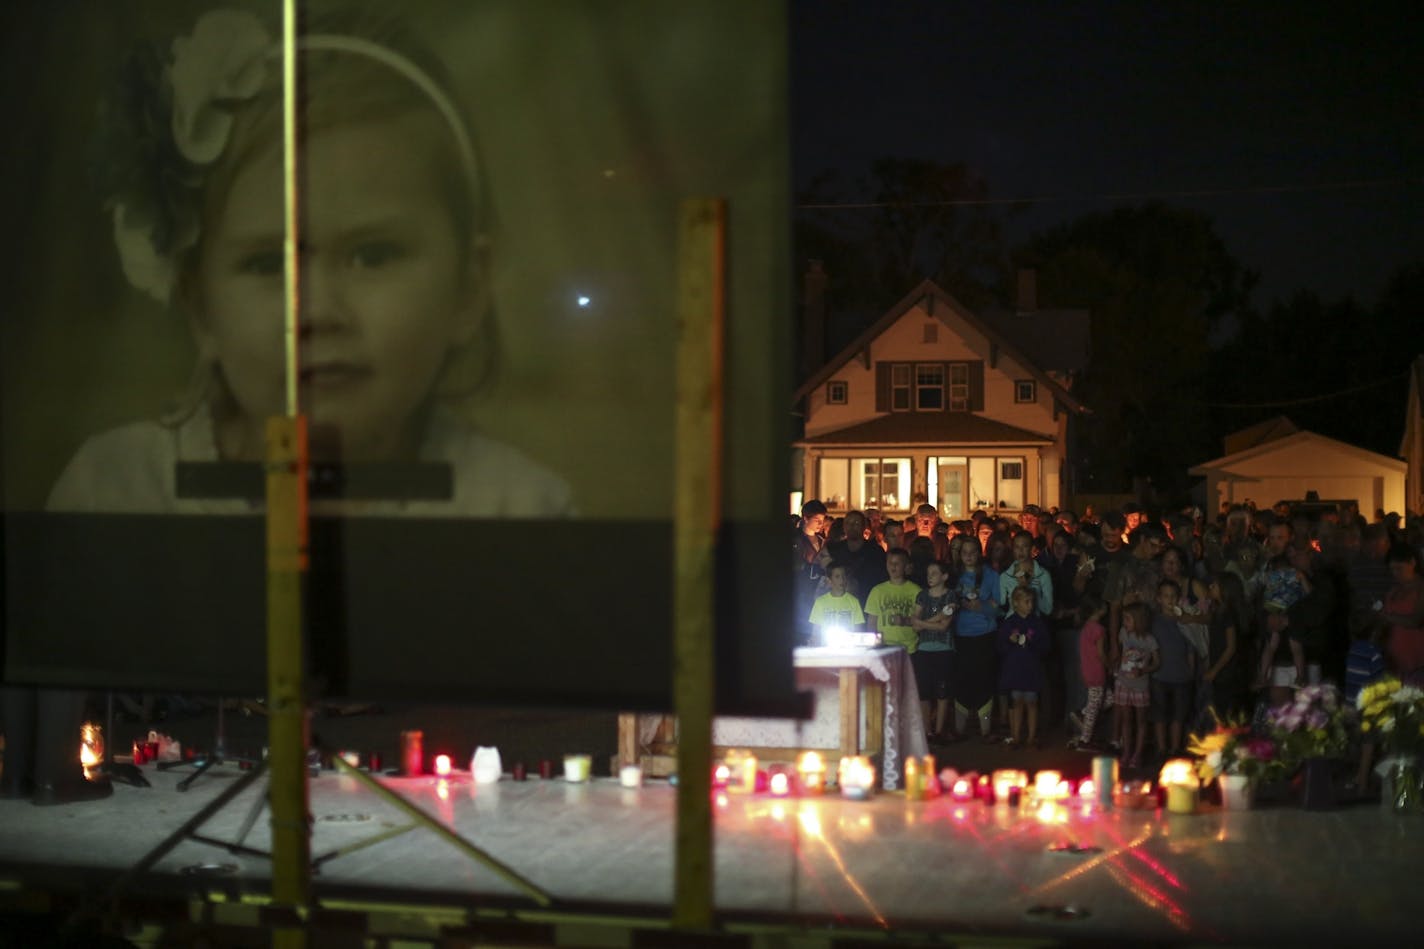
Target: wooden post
{"points": [[697, 516], [286, 699]]}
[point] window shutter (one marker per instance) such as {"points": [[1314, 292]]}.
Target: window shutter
{"points": [[882, 387], [976, 385]]}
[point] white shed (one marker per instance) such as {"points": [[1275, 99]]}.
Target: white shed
{"points": [[1286, 468]]}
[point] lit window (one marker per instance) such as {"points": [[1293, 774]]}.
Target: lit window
{"points": [[1025, 390], [884, 483], [929, 387], [836, 393]]}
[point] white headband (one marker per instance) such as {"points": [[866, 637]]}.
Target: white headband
{"points": [[220, 64]]}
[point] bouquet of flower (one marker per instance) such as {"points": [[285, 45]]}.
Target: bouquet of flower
{"points": [[1392, 713], [1232, 749], [1315, 724]]}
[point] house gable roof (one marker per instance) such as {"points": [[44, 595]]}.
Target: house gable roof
{"points": [[940, 305], [1258, 434], [1227, 461], [928, 428]]}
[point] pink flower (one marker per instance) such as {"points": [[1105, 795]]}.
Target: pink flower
{"points": [[1262, 748]]}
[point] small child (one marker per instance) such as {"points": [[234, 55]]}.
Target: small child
{"points": [[1137, 660], [1171, 685], [1023, 641], [890, 605], [1283, 586], [934, 614], [1364, 663], [1093, 660], [837, 608], [398, 313]]}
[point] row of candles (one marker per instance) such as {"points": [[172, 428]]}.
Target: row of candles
{"points": [[1177, 789]]}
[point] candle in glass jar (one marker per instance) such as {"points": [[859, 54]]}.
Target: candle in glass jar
{"points": [[857, 778], [412, 753], [812, 771]]}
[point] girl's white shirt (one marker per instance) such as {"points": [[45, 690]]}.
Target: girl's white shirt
{"points": [[130, 469]]}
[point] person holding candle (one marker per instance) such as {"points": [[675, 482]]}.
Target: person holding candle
{"points": [[975, 659], [837, 608], [1023, 641], [891, 604], [1171, 685], [933, 660], [1137, 660]]}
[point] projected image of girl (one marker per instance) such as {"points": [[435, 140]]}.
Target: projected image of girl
{"points": [[396, 317]]}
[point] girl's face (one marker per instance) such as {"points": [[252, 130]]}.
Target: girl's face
{"points": [[1023, 547], [1060, 546], [1022, 603], [385, 296], [969, 555], [1172, 563], [935, 574]]}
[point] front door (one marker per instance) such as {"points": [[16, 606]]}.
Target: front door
{"points": [[952, 481]]}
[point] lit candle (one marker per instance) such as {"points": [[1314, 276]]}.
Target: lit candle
{"points": [[1004, 780], [914, 790], [963, 789], [857, 778], [1179, 777], [630, 776], [779, 783], [741, 771], [1045, 784], [442, 766], [812, 770], [929, 778], [749, 774], [576, 768], [720, 775]]}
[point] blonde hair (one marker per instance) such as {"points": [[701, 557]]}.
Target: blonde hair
{"points": [[356, 68]]}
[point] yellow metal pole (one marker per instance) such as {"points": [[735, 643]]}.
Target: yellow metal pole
{"points": [[286, 445], [697, 515]]}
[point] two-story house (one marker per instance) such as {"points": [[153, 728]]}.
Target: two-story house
{"points": [[937, 403]]}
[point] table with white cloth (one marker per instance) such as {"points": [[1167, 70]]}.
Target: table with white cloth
{"points": [[865, 703]]}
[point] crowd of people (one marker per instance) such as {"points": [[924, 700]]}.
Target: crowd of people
{"points": [[1169, 620]]}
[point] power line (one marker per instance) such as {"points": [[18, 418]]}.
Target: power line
{"points": [[1308, 399], [1362, 184]]}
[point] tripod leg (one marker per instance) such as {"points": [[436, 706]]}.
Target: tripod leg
{"points": [[251, 818], [147, 861], [207, 763]]}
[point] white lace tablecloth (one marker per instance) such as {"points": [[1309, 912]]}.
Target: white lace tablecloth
{"points": [[818, 671]]}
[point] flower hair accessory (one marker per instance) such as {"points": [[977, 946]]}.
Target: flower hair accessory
{"points": [[174, 121]]}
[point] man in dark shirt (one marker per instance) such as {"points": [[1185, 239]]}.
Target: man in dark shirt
{"points": [[864, 559]]}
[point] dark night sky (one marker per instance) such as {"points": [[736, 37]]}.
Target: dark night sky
{"points": [[1290, 108]]}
